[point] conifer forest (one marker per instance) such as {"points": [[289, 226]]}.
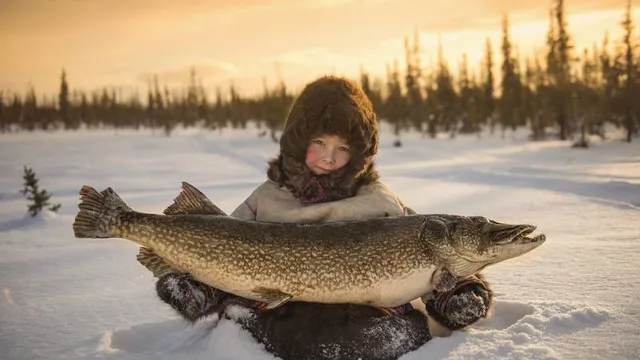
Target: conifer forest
{"points": [[559, 91]]}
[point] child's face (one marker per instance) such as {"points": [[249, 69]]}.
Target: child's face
{"points": [[327, 153]]}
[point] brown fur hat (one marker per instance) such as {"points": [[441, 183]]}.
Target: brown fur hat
{"points": [[335, 106]]}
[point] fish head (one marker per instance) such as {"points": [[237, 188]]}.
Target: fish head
{"points": [[472, 243]]}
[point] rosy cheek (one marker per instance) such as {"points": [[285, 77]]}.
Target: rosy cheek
{"points": [[312, 155]]}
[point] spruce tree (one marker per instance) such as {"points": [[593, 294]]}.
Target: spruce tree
{"points": [[38, 198], [446, 98], [191, 102], [3, 114], [431, 104], [85, 111], [220, 113], [629, 72], [559, 61], [413, 75], [510, 83], [395, 105], [488, 87], [372, 91], [64, 105], [530, 104], [203, 104], [29, 118], [467, 102], [151, 106], [365, 83]]}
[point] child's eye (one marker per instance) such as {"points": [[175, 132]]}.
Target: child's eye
{"points": [[344, 148], [319, 142]]}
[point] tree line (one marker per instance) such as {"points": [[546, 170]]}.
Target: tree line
{"points": [[557, 91]]}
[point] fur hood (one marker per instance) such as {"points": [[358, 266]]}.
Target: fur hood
{"points": [[335, 106]]}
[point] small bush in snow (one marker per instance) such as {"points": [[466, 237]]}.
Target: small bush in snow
{"points": [[38, 199]]}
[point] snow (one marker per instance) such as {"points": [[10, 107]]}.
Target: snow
{"points": [[574, 297]]}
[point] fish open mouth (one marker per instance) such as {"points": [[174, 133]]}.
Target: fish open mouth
{"points": [[523, 235], [526, 237]]}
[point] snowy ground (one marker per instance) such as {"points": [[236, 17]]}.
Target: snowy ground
{"points": [[574, 297]]}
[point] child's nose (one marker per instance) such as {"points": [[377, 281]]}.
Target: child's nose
{"points": [[329, 156], [329, 159]]}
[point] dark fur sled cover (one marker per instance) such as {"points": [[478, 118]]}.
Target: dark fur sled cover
{"points": [[307, 331]]}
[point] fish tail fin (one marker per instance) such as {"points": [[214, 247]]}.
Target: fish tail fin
{"points": [[96, 210]]}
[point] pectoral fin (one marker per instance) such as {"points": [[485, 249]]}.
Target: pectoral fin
{"points": [[272, 297], [466, 268], [443, 280], [152, 261]]}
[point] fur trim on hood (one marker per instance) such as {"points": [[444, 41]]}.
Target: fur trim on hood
{"points": [[332, 106]]}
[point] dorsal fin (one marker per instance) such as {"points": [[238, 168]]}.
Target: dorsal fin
{"points": [[189, 201], [192, 201]]}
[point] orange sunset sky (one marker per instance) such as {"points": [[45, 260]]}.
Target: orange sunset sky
{"points": [[123, 42]]}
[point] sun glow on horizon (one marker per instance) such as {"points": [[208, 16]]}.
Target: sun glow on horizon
{"points": [[285, 40]]}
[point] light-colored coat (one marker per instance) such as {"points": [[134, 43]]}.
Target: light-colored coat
{"points": [[271, 202]]}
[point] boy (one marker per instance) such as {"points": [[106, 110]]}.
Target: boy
{"points": [[325, 172]]}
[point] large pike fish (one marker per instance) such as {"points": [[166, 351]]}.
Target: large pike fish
{"points": [[384, 262]]}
